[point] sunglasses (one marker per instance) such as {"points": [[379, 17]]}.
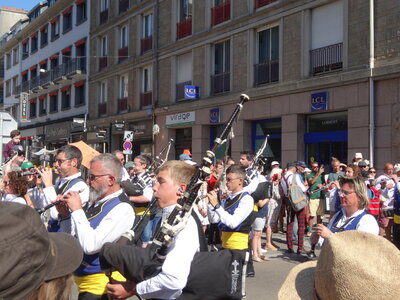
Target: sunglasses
{"points": [[344, 192]]}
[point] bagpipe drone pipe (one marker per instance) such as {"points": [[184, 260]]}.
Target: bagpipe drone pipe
{"points": [[213, 275]]}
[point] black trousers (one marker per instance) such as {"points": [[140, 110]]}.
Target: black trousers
{"points": [[90, 296], [396, 235]]}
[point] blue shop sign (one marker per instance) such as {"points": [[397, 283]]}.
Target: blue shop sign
{"points": [[319, 101], [192, 92], [214, 115]]}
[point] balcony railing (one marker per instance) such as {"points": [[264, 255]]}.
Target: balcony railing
{"points": [[180, 90], [102, 109], [122, 104], [146, 99], [103, 16], [221, 12], [102, 62], [266, 72], [326, 59], [261, 3], [146, 44], [76, 65], [184, 28], [220, 83], [123, 6], [122, 54]]}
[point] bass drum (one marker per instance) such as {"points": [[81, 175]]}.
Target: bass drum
{"points": [[263, 191]]}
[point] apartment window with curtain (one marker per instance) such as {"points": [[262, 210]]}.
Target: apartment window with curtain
{"points": [[103, 11], [15, 55], [102, 107], [123, 44], [8, 60], [53, 101], [44, 35], [184, 71], [103, 61], [67, 19], [146, 95], [123, 93], [80, 11], [184, 24], [327, 26], [55, 28], [25, 49], [220, 81], [66, 98], [147, 33], [267, 68], [79, 93], [34, 42], [32, 108], [42, 105]]}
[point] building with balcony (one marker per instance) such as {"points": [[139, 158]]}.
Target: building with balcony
{"points": [[45, 71], [321, 82]]}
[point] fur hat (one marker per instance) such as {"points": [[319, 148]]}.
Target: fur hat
{"points": [[352, 265]]}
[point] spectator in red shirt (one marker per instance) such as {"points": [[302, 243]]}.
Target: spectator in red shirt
{"points": [[15, 136]]}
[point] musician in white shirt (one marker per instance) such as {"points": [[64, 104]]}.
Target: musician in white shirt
{"points": [[171, 182]]}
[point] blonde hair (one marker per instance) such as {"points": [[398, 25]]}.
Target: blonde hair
{"points": [[179, 171], [358, 184], [56, 289]]}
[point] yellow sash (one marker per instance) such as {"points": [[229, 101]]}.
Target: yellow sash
{"points": [[140, 211], [96, 283], [396, 219], [235, 240]]}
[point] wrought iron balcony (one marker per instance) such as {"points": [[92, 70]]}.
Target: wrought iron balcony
{"points": [[122, 54], [221, 12], [102, 62], [146, 44], [102, 108], [220, 82], [266, 72], [261, 3], [184, 28], [122, 104], [325, 59], [146, 99]]}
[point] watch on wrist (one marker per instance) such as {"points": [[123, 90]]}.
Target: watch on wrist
{"points": [[216, 206]]}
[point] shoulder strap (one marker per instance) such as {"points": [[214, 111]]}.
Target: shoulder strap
{"points": [[65, 186], [202, 237]]}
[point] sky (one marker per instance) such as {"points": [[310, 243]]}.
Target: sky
{"points": [[25, 4]]}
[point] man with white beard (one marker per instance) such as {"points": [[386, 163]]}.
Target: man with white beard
{"points": [[103, 220]]}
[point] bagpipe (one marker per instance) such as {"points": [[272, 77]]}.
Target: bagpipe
{"points": [[264, 189], [136, 188], [158, 161], [228, 267]]}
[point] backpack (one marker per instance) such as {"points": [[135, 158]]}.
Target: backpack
{"points": [[297, 199]]}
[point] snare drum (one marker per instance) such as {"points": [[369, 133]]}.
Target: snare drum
{"points": [[388, 212]]}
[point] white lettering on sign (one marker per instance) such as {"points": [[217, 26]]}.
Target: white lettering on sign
{"points": [[180, 119]]}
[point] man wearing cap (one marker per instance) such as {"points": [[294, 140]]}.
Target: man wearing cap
{"points": [[104, 219], [357, 158], [67, 162], [292, 173], [187, 159]]}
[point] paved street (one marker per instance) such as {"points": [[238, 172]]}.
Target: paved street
{"points": [[271, 274]]}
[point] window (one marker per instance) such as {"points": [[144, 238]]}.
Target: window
{"points": [[25, 49], [65, 98], [124, 36], [80, 11], [103, 92], [326, 53], [8, 60], [53, 102], [34, 42], [15, 84], [146, 94], [67, 19], [42, 106], [123, 6], [184, 26], [79, 93], [44, 35], [53, 61], [66, 55], [267, 69], [123, 87], [103, 5], [147, 25], [147, 32], [32, 108], [15, 55], [8, 88], [33, 70], [103, 52], [220, 81], [55, 28], [184, 68]]}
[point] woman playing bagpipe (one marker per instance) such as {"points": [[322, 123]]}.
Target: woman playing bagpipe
{"points": [[172, 266]]}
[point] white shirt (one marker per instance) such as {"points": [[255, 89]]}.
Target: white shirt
{"points": [[51, 195], [125, 174], [244, 209], [13, 198], [118, 221], [252, 186], [168, 284], [367, 223], [387, 193]]}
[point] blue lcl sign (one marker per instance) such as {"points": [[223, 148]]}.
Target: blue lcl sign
{"points": [[319, 101], [192, 92], [214, 115]]}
